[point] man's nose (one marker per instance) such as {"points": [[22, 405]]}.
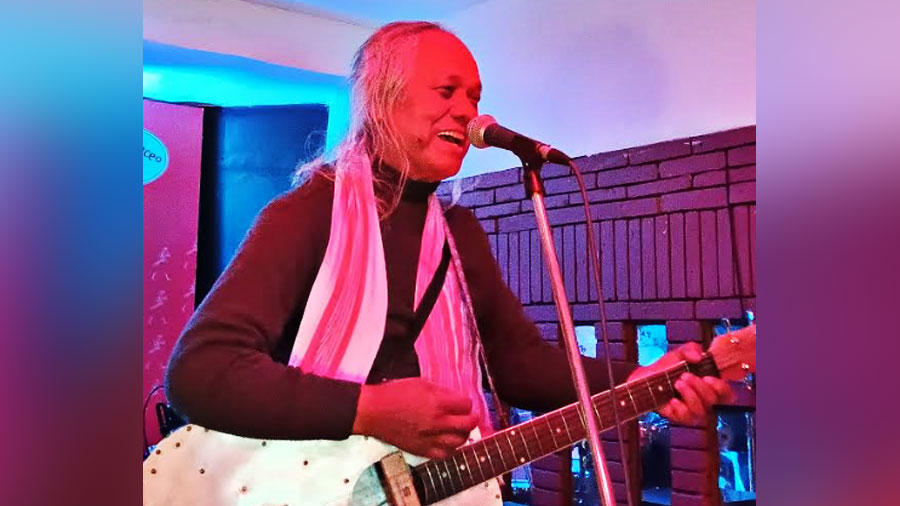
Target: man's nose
{"points": [[464, 109]]}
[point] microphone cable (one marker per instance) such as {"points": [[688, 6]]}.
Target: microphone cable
{"points": [[595, 270]]}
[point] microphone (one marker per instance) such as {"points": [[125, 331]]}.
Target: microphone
{"points": [[484, 131]]}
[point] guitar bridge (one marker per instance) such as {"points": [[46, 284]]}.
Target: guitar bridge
{"points": [[396, 480]]}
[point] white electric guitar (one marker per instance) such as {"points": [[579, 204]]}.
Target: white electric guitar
{"points": [[198, 466]]}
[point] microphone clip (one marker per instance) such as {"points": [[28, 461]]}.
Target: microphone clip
{"points": [[531, 173]]}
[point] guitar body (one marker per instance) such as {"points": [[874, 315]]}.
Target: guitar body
{"points": [[197, 466]]}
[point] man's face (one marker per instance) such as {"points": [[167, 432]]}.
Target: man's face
{"points": [[441, 97]]}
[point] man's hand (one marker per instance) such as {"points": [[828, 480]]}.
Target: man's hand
{"points": [[697, 394], [415, 415]]}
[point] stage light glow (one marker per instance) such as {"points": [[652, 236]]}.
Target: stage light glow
{"points": [[181, 75]]}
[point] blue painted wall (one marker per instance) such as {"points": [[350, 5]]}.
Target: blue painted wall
{"points": [[249, 156]]}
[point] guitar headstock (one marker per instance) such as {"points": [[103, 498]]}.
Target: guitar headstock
{"points": [[735, 353]]}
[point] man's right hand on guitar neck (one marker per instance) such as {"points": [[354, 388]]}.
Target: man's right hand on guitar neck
{"points": [[416, 416]]}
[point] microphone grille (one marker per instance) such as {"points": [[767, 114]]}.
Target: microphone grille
{"points": [[477, 127]]}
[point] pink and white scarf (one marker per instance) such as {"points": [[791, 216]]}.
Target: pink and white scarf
{"points": [[344, 320]]}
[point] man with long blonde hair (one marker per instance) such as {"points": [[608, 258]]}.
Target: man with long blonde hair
{"points": [[315, 330]]}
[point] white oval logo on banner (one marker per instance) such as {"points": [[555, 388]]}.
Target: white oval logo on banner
{"points": [[156, 157]]}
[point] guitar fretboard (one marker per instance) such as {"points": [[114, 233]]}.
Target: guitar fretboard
{"points": [[505, 450]]}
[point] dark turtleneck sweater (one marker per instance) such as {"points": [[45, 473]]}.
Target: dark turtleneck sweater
{"points": [[228, 370]]}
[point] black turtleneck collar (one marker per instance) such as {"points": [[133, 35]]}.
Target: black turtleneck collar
{"points": [[413, 190], [418, 191]]}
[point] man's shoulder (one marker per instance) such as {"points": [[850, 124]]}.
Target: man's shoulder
{"points": [[467, 230], [314, 194], [461, 217]]}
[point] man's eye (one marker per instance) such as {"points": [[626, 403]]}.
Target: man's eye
{"points": [[446, 91]]}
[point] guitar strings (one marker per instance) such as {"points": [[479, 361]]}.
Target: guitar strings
{"points": [[638, 394], [641, 395]]}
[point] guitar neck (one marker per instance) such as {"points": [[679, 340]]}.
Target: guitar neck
{"points": [[505, 450]]}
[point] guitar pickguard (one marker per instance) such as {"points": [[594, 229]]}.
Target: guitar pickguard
{"points": [[197, 466]]}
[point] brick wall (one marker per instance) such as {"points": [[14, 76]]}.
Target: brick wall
{"points": [[662, 215]]}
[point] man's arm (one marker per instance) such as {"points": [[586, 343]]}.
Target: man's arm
{"points": [[222, 374], [531, 373]]}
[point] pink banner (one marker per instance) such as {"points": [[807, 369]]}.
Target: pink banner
{"points": [[171, 173]]}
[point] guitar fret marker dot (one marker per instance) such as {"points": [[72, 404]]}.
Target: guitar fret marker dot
{"points": [[622, 403], [522, 459], [660, 388], [462, 467], [481, 459]]}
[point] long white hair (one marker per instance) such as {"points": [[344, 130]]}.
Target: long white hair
{"points": [[377, 83]]}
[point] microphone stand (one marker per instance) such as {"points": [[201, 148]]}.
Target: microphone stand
{"points": [[534, 189]]}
